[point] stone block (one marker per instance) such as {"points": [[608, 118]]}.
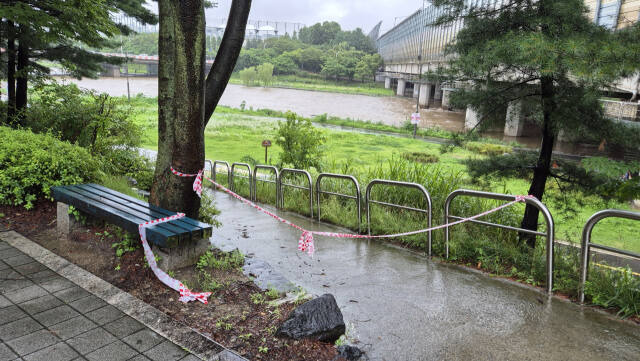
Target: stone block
{"points": [[184, 255]]}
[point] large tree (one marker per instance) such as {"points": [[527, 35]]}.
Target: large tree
{"points": [[544, 57], [59, 32], [186, 100]]}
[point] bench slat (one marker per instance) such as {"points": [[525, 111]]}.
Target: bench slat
{"points": [[196, 232], [156, 234], [135, 216]]}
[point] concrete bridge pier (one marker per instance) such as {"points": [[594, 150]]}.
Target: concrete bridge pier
{"points": [[514, 122], [471, 119], [424, 98], [152, 69], [437, 95], [401, 87], [446, 98], [387, 83], [416, 90], [111, 70]]}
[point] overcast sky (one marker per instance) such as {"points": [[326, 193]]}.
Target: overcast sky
{"points": [[350, 14]]}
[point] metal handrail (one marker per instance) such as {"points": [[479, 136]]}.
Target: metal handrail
{"points": [[401, 184], [232, 184], [215, 166], [587, 245], [256, 180], [357, 197], [210, 167], [506, 197], [310, 188]]}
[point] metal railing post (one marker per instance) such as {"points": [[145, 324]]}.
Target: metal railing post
{"points": [[285, 171], [587, 245], [232, 185], [417, 186], [210, 167], [357, 197], [215, 166], [255, 181], [549, 234]]}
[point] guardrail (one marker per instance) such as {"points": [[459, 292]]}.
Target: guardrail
{"points": [[357, 197], [587, 245], [256, 180], [214, 171], [417, 186], [505, 197], [232, 183], [285, 171]]}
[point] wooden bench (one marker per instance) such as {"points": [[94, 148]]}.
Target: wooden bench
{"points": [[179, 242]]}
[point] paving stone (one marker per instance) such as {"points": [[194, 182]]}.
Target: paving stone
{"points": [[72, 327], [10, 314], [104, 315], [30, 268], [4, 245], [42, 275], [190, 358], [123, 327], [40, 304], [56, 315], [117, 351], [91, 340], [71, 294], [3, 265], [4, 303], [18, 328], [26, 294], [58, 352], [56, 284], [88, 304], [140, 358], [6, 354], [143, 340], [166, 351], [10, 274], [18, 260], [10, 252], [34, 341], [7, 286]]}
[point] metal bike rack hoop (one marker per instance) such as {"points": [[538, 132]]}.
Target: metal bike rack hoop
{"points": [[587, 245], [417, 186], [357, 197], [210, 167], [232, 184], [256, 180], [215, 166], [285, 171], [506, 197]]}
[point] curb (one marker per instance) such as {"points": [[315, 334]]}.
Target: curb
{"points": [[178, 333]]}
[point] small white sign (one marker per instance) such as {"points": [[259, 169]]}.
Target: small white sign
{"points": [[415, 118]]}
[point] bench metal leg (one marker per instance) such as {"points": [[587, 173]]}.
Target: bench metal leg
{"points": [[184, 255]]}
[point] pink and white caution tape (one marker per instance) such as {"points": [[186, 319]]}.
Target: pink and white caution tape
{"points": [[185, 294], [305, 243]]}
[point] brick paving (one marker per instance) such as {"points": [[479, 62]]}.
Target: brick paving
{"points": [[44, 316]]}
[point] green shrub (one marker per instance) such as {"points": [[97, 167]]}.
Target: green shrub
{"points": [[301, 143], [30, 164], [421, 157], [488, 148]]}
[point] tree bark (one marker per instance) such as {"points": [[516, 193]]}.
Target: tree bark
{"points": [[227, 55], [543, 166], [22, 78], [11, 72], [180, 104]]}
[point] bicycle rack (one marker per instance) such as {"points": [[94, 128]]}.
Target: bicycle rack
{"points": [[319, 191], [310, 188], [587, 245], [400, 184], [256, 180], [506, 197], [232, 185]]}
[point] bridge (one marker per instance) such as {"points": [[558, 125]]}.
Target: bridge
{"points": [[151, 62], [415, 46]]}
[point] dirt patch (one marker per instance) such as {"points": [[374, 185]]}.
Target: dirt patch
{"points": [[238, 314]]}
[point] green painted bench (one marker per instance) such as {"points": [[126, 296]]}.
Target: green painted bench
{"points": [[127, 213]]}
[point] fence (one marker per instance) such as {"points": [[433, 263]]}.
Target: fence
{"points": [[587, 245], [256, 180], [249, 178], [357, 197], [214, 171], [286, 171]]}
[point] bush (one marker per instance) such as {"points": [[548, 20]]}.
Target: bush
{"points": [[488, 148], [30, 164], [421, 157], [301, 143]]}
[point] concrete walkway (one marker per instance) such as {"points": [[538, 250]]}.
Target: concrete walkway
{"points": [[44, 316], [405, 307]]}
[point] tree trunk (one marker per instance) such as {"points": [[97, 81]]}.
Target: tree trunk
{"points": [[11, 72], [227, 55], [22, 76], [543, 166], [180, 104]]}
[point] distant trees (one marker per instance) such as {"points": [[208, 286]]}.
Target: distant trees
{"points": [[367, 67]]}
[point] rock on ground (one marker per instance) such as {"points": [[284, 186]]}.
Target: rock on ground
{"points": [[349, 352], [319, 319]]}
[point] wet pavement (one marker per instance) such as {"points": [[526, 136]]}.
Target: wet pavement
{"points": [[401, 306]]}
